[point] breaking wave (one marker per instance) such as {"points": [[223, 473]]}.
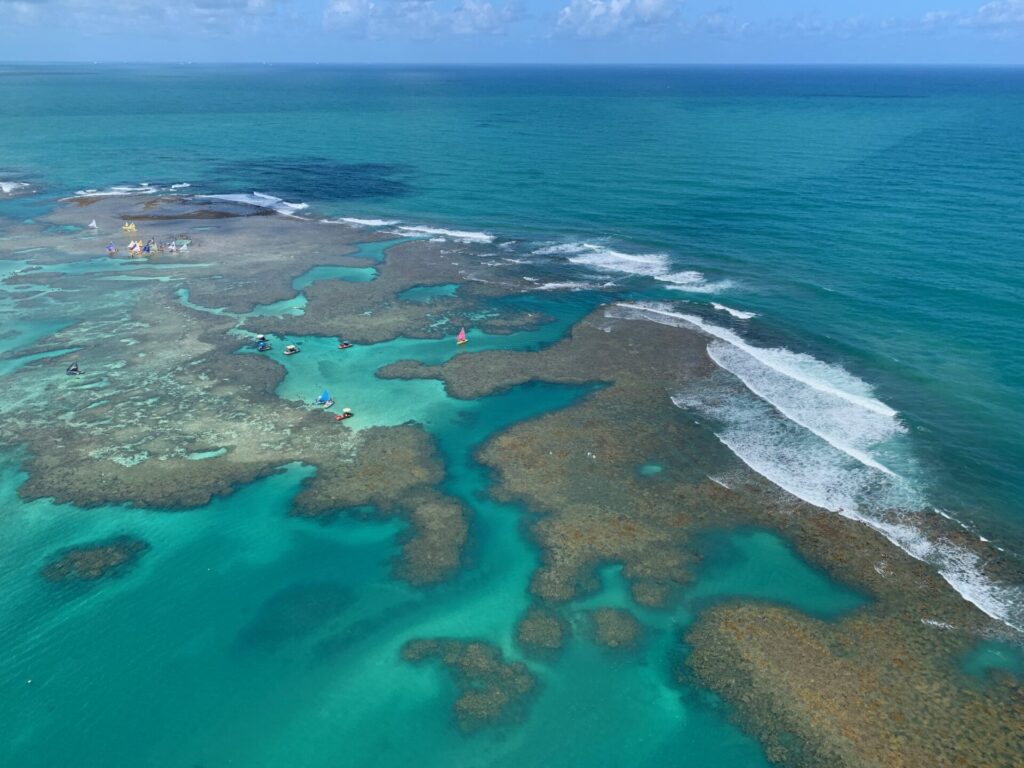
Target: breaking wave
{"points": [[145, 188], [362, 222], [261, 200], [655, 265], [10, 187], [462, 236], [818, 432], [739, 314]]}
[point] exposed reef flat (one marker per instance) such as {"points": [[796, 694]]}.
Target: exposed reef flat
{"points": [[91, 562], [162, 385], [492, 691]]}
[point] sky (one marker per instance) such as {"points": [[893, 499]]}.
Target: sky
{"points": [[516, 31]]}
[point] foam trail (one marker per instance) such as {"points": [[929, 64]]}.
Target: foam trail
{"points": [[464, 236], [654, 265], [121, 190], [803, 368], [811, 429], [261, 200], [739, 314], [10, 187], [362, 222], [566, 286], [182, 185]]}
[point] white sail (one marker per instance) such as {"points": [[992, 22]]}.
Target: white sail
{"points": [[93, 225]]}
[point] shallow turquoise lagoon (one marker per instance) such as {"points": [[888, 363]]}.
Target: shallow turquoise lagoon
{"points": [[350, 274]]}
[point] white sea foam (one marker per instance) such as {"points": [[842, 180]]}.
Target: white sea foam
{"points": [[739, 314], [145, 188], [10, 187], [261, 200], [182, 185], [656, 265], [362, 222], [817, 432], [568, 285], [462, 236]]}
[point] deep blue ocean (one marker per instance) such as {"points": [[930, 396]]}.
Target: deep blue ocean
{"points": [[852, 238]]}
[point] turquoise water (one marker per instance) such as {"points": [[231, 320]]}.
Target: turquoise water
{"points": [[852, 239], [868, 216]]}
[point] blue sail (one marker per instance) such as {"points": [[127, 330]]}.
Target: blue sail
{"points": [[324, 397]]}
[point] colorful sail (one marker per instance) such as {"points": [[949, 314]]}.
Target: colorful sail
{"points": [[461, 338], [325, 397]]}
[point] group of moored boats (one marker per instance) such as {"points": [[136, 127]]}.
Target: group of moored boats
{"points": [[325, 400]]}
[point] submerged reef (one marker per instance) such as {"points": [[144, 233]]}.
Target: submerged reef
{"points": [[294, 613], [492, 691], [91, 562], [542, 630], [615, 628], [395, 470]]}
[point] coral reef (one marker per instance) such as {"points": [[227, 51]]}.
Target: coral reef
{"points": [[867, 691], [91, 562], [542, 630], [492, 691], [615, 628]]}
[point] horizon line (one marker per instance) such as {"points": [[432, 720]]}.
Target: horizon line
{"points": [[564, 64]]}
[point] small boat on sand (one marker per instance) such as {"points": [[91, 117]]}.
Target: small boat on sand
{"points": [[291, 349], [325, 400], [461, 338]]}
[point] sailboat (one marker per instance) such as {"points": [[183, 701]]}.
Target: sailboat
{"points": [[325, 400], [461, 338], [73, 369], [93, 224]]}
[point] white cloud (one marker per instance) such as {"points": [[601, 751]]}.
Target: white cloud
{"points": [[419, 18], [722, 23], [603, 18], [473, 17], [97, 16], [999, 17]]}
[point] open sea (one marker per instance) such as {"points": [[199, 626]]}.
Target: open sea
{"points": [[853, 239]]}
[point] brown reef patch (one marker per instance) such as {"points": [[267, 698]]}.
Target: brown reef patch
{"points": [[492, 691], [542, 630], [91, 562], [615, 628], [868, 691], [371, 312], [395, 470]]}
